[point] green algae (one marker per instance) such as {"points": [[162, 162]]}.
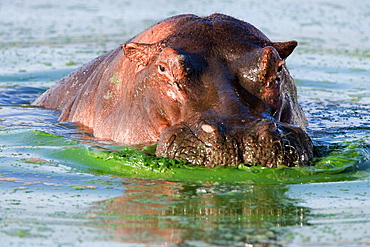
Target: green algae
{"points": [[342, 163], [337, 162], [115, 78]]}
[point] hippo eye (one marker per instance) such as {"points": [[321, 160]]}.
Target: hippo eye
{"points": [[170, 69], [161, 68], [280, 68]]}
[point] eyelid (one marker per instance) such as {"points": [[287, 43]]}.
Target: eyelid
{"points": [[161, 66]]}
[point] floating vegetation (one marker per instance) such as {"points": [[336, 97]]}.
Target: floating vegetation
{"points": [[340, 162]]}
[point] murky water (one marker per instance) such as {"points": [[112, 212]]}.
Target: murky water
{"points": [[49, 200]]}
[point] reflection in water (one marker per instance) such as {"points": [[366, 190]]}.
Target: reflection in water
{"points": [[218, 214]]}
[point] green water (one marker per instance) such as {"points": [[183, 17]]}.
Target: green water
{"points": [[59, 187]]}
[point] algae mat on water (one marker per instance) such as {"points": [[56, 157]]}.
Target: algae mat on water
{"points": [[342, 162]]}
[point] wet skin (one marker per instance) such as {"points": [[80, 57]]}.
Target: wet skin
{"points": [[213, 91]]}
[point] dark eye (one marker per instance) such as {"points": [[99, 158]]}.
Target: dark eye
{"points": [[161, 68], [280, 68]]}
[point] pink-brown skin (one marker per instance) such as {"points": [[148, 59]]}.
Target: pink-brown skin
{"points": [[213, 90]]}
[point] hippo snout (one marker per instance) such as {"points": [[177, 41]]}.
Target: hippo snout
{"points": [[260, 143]]}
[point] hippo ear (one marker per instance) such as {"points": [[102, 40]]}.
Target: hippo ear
{"points": [[271, 64], [285, 48], [143, 54]]}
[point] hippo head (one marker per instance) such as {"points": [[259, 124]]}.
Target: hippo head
{"points": [[213, 91]]}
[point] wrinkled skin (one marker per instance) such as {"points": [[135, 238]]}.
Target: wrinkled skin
{"points": [[213, 91]]}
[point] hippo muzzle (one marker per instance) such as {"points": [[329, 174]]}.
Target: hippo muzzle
{"points": [[257, 143]]}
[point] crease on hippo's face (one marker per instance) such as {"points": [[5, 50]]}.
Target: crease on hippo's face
{"points": [[256, 143]]}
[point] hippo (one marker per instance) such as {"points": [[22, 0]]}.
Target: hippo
{"points": [[213, 91]]}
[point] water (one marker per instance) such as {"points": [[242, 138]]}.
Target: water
{"points": [[47, 200]]}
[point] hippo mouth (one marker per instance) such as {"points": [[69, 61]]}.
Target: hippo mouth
{"points": [[261, 143]]}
